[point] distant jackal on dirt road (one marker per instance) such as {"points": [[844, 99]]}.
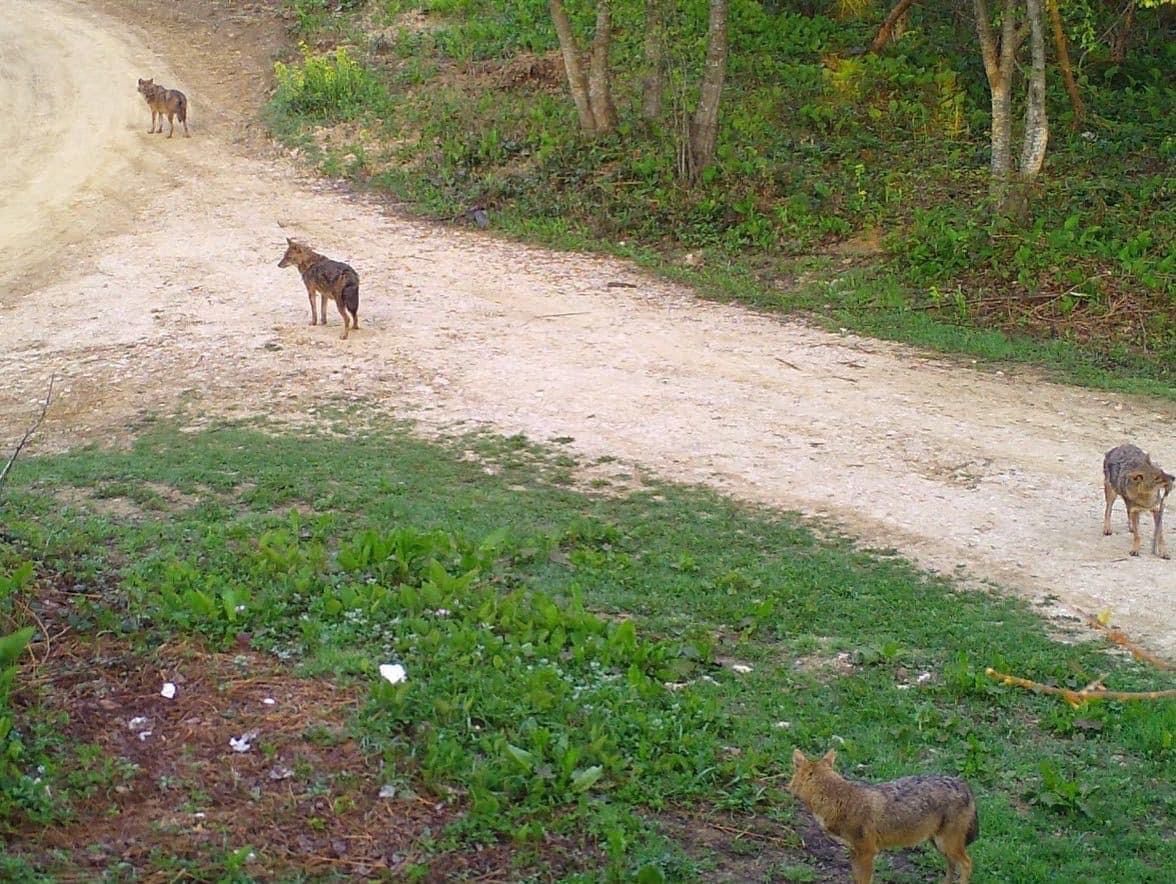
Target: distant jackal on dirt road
{"points": [[330, 279], [171, 102], [1129, 473]]}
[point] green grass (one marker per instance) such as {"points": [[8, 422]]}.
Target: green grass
{"points": [[817, 149], [539, 625]]}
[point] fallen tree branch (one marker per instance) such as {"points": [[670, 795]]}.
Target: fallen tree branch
{"points": [[29, 432], [1118, 637], [1077, 698]]}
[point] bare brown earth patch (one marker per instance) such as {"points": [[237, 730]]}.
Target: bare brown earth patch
{"points": [[158, 784]]}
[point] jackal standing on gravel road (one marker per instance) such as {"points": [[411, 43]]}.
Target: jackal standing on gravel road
{"points": [[330, 279], [1129, 473], [162, 101]]}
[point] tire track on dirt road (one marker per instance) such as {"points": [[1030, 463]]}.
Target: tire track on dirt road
{"points": [[169, 293]]}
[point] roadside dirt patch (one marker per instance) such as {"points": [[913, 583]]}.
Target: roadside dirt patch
{"points": [[244, 756], [158, 287], [303, 793]]}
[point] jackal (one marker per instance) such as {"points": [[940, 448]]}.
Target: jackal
{"points": [[1129, 473], [162, 101], [330, 279], [902, 813]]}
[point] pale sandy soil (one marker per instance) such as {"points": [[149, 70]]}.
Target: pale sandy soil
{"points": [[143, 272]]}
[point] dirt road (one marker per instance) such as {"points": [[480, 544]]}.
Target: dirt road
{"points": [[143, 271]]}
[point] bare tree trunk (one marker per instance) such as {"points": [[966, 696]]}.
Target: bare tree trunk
{"points": [[1000, 63], [1036, 119], [1123, 34], [886, 32], [653, 85], [599, 86], [577, 82], [1064, 65], [704, 127]]}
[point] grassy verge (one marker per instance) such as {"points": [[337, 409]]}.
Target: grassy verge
{"points": [[849, 189], [599, 686]]}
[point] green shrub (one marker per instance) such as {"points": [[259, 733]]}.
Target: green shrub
{"points": [[333, 86]]}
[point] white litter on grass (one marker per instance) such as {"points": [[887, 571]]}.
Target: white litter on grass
{"points": [[783, 725], [923, 678], [441, 612], [280, 773], [741, 668], [168, 691], [243, 742], [269, 701], [136, 723], [393, 672], [143, 735], [387, 791]]}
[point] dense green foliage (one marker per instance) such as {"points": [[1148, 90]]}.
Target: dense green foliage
{"points": [[569, 656], [851, 186]]}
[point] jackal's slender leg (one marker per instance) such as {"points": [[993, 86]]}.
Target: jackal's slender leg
{"points": [[862, 862], [1110, 494], [1133, 520]]}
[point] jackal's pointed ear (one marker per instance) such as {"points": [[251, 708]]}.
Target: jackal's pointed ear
{"points": [[829, 757], [289, 241], [798, 758]]}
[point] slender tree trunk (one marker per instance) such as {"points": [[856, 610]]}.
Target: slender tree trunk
{"points": [[1123, 34], [1064, 65], [577, 82], [704, 126], [653, 85], [886, 32], [1036, 118], [599, 85], [1000, 61]]}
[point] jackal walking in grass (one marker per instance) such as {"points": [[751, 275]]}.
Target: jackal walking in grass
{"points": [[869, 817]]}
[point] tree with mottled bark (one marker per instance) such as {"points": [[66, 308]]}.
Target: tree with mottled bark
{"points": [[704, 125], [1009, 185], [577, 81], [592, 93], [653, 84], [599, 72]]}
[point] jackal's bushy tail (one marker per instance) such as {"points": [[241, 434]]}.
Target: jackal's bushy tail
{"points": [[351, 297], [182, 110], [973, 827]]}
